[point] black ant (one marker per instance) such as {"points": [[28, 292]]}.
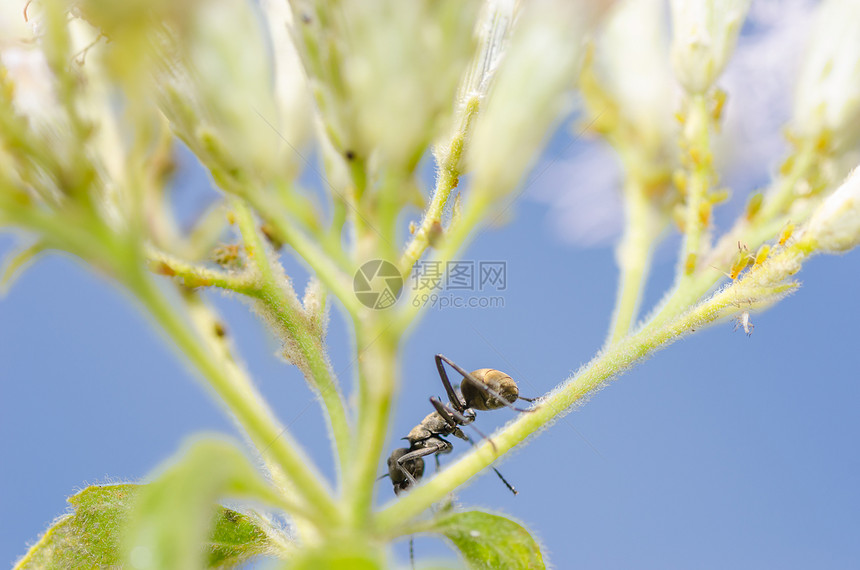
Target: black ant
{"points": [[482, 389]]}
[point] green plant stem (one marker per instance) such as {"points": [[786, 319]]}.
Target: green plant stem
{"points": [[193, 275], [765, 285], [750, 232], [634, 258], [326, 269], [291, 319], [696, 134], [389, 199], [378, 368], [447, 178], [270, 210], [456, 236], [777, 201], [206, 321], [244, 403]]}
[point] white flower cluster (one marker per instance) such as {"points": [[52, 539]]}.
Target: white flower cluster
{"points": [[400, 64], [532, 90], [633, 62], [703, 38], [828, 92], [835, 225]]}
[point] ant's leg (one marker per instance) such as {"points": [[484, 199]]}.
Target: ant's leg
{"points": [[453, 396], [527, 400], [456, 419], [439, 445], [451, 416], [502, 477], [467, 377], [412, 551]]}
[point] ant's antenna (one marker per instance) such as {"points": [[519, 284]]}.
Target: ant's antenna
{"points": [[502, 477]]}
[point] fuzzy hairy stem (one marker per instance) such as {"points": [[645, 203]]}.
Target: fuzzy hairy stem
{"points": [[378, 369], [207, 324], [751, 231], [193, 276], [696, 221], [289, 316], [325, 269], [244, 402], [634, 258], [448, 160], [454, 240]]}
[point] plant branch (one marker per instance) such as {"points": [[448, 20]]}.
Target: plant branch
{"points": [[243, 401], [377, 366], [447, 178], [752, 229], [696, 138], [300, 336], [323, 266], [193, 276], [455, 237], [634, 258]]}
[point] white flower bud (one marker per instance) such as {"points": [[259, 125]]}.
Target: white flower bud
{"points": [[292, 92], [33, 94], [13, 23], [633, 65], [703, 37], [828, 90], [835, 224], [494, 25], [218, 81], [402, 61], [532, 91]]}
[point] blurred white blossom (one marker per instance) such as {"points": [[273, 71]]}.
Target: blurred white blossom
{"points": [[25, 63], [13, 26], [34, 94], [585, 206], [532, 90], [386, 72], [704, 33], [632, 61], [835, 224], [292, 92], [493, 34], [763, 70], [218, 83], [828, 92]]}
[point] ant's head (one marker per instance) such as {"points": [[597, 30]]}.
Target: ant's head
{"points": [[404, 475]]}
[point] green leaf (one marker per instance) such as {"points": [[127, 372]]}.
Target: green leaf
{"points": [[489, 541], [91, 536], [174, 514]]}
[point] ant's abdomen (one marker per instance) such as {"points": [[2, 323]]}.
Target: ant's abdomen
{"points": [[495, 380]]}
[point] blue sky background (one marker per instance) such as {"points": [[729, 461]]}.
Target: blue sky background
{"points": [[721, 451]]}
